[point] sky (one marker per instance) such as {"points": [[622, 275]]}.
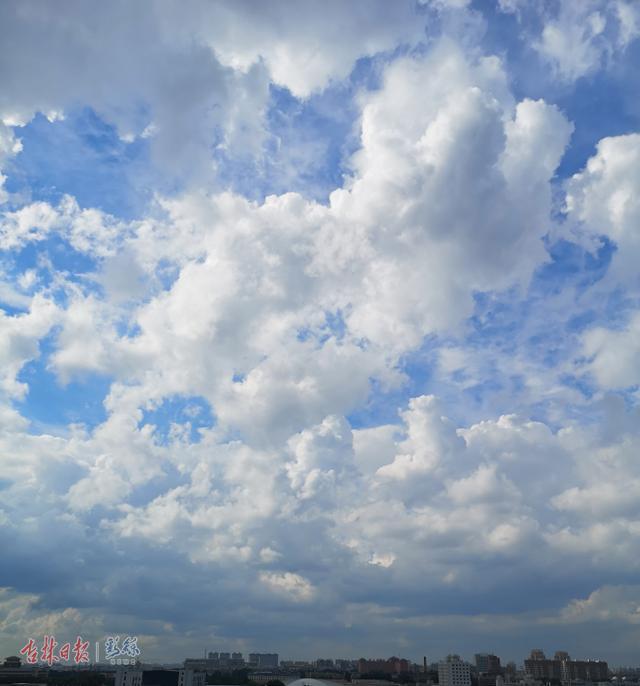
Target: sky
{"points": [[320, 326]]}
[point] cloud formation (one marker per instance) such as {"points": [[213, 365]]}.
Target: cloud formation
{"points": [[256, 422]]}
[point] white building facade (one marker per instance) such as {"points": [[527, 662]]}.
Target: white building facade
{"points": [[190, 677], [454, 672]]}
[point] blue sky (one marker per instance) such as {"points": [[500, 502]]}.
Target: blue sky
{"points": [[320, 326]]}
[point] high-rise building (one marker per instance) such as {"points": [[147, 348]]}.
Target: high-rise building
{"points": [[487, 663], [543, 668], [454, 672], [562, 667], [585, 670], [511, 668], [264, 660]]}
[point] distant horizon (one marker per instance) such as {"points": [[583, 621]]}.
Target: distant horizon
{"points": [[320, 326], [413, 661]]}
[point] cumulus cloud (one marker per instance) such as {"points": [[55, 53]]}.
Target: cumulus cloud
{"points": [[614, 355], [603, 200], [19, 341], [292, 586], [316, 45], [273, 516], [606, 604], [140, 75], [430, 439], [87, 230], [442, 177], [288, 321], [9, 146], [578, 37], [281, 313], [602, 203], [188, 79]]}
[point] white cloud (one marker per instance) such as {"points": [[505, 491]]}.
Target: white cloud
{"points": [[322, 459], [604, 200], [483, 485], [141, 73], [188, 78], [87, 341], [385, 256], [267, 515], [431, 439], [283, 314], [442, 179], [9, 146], [19, 337], [374, 447], [614, 355], [30, 223], [578, 37], [316, 45], [280, 315], [292, 586], [89, 231], [619, 603], [382, 559]]}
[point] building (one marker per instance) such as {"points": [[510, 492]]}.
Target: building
{"points": [[159, 677], [206, 665], [295, 665], [324, 663], [454, 672], [216, 662], [585, 670], [264, 660], [538, 667], [262, 677], [487, 663], [393, 665], [563, 668], [12, 670], [346, 665], [128, 677], [543, 669]]}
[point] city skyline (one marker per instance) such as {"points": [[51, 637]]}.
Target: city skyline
{"points": [[227, 660], [320, 326]]}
